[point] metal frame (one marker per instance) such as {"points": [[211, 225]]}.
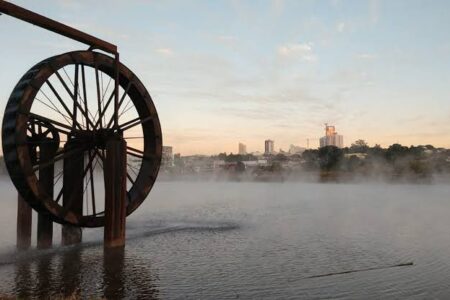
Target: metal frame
{"points": [[17, 117], [57, 27], [70, 32]]}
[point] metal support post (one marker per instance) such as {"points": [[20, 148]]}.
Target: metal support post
{"points": [[115, 193], [72, 195], [46, 173], [23, 224]]}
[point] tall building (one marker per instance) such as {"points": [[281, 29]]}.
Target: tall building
{"points": [[242, 149], [269, 147], [167, 158], [331, 138]]}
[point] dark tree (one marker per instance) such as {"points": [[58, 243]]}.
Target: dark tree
{"points": [[311, 158], [396, 151], [330, 157], [240, 167], [359, 146]]}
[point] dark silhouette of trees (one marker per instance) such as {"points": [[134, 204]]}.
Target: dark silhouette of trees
{"points": [[311, 159], [359, 146], [330, 158]]}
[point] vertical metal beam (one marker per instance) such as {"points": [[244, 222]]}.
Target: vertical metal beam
{"points": [[46, 175], [115, 193], [116, 90], [72, 195], [24, 216], [23, 224]]}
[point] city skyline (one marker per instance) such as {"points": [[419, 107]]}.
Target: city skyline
{"points": [[227, 70]]}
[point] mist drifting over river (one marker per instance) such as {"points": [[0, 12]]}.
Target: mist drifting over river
{"points": [[252, 240]]}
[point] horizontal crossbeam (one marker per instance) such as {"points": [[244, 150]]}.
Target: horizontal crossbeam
{"points": [[57, 27]]}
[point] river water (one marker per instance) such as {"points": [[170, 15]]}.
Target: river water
{"points": [[218, 240]]}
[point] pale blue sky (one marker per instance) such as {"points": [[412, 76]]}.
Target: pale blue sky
{"points": [[223, 72]]}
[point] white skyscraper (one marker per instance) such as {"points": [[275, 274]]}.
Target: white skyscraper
{"points": [[242, 149], [331, 138]]}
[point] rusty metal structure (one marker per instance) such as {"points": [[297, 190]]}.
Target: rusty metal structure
{"points": [[74, 118]]}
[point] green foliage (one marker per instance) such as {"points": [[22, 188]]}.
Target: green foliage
{"points": [[330, 158], [311, 159], [359, 146], [396, 151]]}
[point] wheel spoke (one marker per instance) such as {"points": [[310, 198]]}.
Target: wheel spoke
{"points": [[130, 179], [58, 177], [126, 110], [92, 186], [86, 109], [60, 194], [53, 122], [120, 102], [139, 154], [89, 182], [103, 99], [58, 156], [54, 109], [75, 97], [135, 150], [143, 157], [102, 113], [132, 169], [98, 95], [134, 122], [72, 96], [61, 101], [67, 118]]}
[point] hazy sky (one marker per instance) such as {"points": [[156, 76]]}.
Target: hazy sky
{"points": [[223, 72]]}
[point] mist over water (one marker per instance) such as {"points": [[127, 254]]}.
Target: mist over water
{"points": [[252, 240]]}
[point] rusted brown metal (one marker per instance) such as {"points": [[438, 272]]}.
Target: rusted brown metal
{"points": [[16, 142], [72, 195], [57, 27], [24, 219], [82, 139], [44, 231], [116, 90], [115, 193], [45, 224]]}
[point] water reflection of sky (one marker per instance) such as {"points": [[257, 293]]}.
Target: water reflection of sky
{"points": [[253, 241]]}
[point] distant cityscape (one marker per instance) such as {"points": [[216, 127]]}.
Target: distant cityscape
{"points": [[330, 161], [331, 138]]}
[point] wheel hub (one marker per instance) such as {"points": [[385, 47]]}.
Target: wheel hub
{"points": [[94, 138]]}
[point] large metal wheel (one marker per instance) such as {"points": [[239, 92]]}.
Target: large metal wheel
{"points": [[72, 95]]}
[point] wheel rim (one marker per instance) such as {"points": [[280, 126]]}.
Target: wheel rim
{"points": [[74, 93]]}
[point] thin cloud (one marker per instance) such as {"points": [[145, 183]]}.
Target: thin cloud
{"points": [[340, 27], [164, 51], [367, 56], [278, 7], [300, 51], [374, 11], [227, 38]]}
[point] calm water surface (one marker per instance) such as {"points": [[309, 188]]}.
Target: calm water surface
{"points": [[250, 241]]}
